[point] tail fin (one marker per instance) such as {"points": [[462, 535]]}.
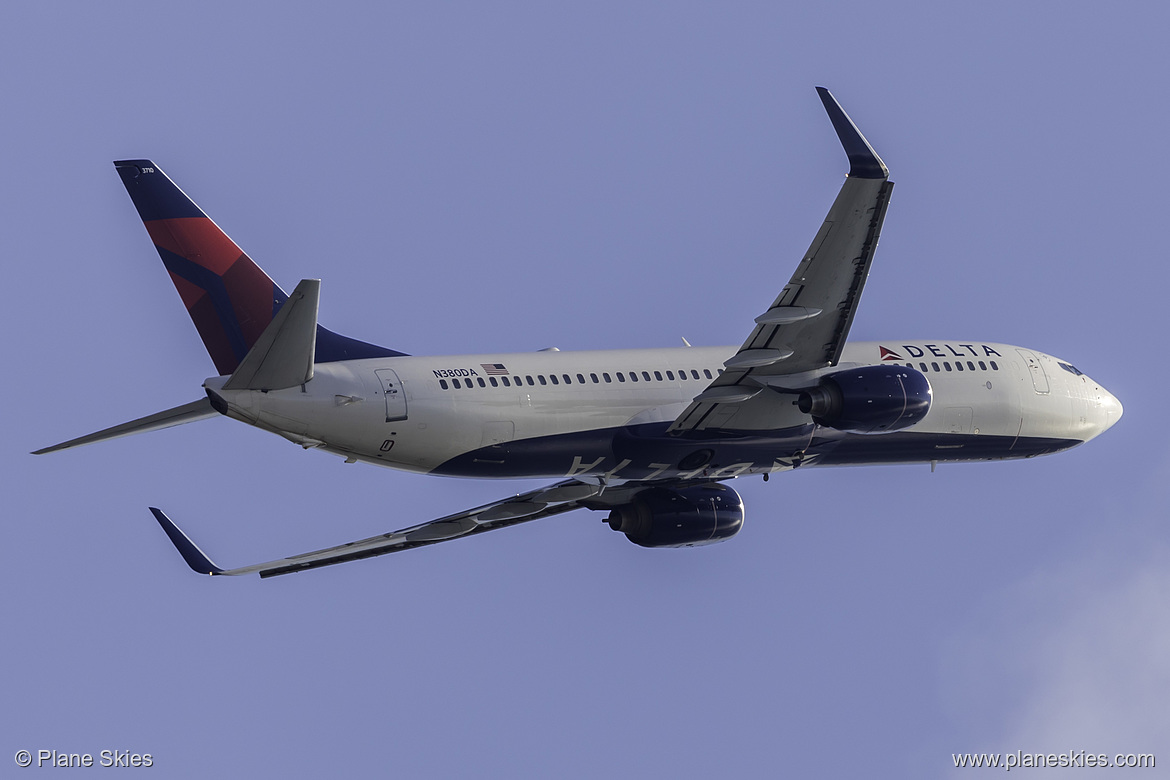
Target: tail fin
{"points": [[230, 299]]}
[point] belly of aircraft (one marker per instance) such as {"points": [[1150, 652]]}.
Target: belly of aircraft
{"points": [[647, 453]]}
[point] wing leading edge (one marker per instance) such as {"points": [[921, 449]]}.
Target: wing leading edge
{"points": [[805, 328]]}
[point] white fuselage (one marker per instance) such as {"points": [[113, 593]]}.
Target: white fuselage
{"points": [[603, 414]]}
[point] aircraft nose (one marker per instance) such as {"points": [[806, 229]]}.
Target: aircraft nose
{"points": [[1108, 409]]}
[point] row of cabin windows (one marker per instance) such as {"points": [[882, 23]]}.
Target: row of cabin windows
{"points": [[946, 366], [519, 381]]}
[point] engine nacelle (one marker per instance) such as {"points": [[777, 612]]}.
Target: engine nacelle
{"points": [[869, 399], [680, 517]]}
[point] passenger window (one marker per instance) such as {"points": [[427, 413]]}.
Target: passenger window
{"points": [[670, 375], [633, 376], [492, 379], [443, 383], [481, 382], [540, 378], [959, 364], [554, 379], [530, 382], [646, 375], [506, 382], [456, 383], [658, 375], [946, 365], [707, 373], [682, 374], [923, 366], [621, 377], [605, 376], [970, 366], [594, 378], [982, 366], [581, 379], [994, 367], [695, 374], [935, 366]]}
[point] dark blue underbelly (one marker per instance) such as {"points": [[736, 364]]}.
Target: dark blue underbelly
{"points": [[645, 451]]}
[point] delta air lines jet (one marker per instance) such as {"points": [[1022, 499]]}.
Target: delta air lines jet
{"points": [[650, 436]]}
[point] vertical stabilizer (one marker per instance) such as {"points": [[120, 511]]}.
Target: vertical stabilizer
{"points": [[230, 299]]}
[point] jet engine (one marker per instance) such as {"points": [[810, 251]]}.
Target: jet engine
{"points": [[868, 399], [680, 517]]}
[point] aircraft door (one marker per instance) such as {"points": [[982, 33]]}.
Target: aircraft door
{"points": [[395, 396], [1035, 370]]}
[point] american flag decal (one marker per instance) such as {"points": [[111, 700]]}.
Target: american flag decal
{"points": [[494, 369]]}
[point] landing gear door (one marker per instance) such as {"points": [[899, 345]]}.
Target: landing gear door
{"points": [[395, 396]]}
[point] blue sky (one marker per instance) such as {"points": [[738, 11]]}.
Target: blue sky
{"points": [[466, 178]]}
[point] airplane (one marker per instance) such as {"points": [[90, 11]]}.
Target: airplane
{"points": [[650, 436]]}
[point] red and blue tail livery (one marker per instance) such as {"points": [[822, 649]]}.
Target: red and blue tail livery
{"points": [[230, 299]]}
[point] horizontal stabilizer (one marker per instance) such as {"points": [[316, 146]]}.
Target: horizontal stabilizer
{"points": [[196, 410], [283, 355]]}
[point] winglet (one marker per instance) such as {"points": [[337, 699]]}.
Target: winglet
{"points": [[190, 551], [864, 162]]}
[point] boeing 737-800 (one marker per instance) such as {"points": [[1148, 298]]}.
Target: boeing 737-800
{"points": [[650, 436]]}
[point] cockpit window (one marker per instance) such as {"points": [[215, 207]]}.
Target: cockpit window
{"points": [[1069, 368]]}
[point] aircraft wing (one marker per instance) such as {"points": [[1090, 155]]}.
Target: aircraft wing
{"points": [[806, 326], [536, 504]]}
